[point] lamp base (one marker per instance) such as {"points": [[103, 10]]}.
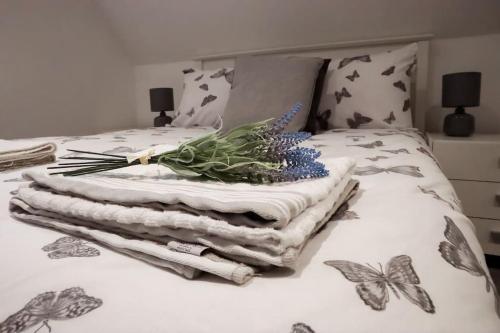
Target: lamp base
{"points": [[162, 120], [459, 123]]}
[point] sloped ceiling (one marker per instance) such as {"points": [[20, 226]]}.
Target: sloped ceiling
{"points": [[156, 31]]}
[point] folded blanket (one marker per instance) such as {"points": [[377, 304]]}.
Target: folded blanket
{"points": [[23, 156], [134, 215]]}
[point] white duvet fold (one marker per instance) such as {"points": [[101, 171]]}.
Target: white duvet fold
{"points": [[188, 226]]}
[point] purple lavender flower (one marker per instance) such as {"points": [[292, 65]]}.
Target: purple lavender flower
{"points": [[296, 162]]}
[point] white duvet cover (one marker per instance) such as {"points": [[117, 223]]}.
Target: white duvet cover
{"points": [[401, 257]]}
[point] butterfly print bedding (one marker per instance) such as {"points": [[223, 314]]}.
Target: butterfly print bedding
{"points": [[376, 158], [346, 61], [396, 151], [390, 119], [204, 86], [301, 328], [406, 105], [408, 170], [400, 84], [69, 246], [436, 196], [388, 71], [342, 94], [457, 252], [410, 68], [370, 145], [428, 153], [373, 284], [67, 304], [398, 210], [208, 99], [322, 119], [358, 120], [353, 76]]}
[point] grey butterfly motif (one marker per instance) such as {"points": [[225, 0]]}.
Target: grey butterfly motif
{"points": [[218, 74], [394, 133], [355, 138], [322, 119], [407, 170], [400, 84], [370, 145], [15, 180], [426, 152], [319, 145], [396, 151], [346, 61], [406, 105], [358, 120], [343, 213], [435, 196], [69, 246], [353, 76], [188, 70], [376, 158], [229, 76], [77, 138], [208, 99], [388, 71], [373, 284], [204, 86], [409, 70], [390, 119], [301, 328], [199, 77], [68, 304], [343, 93], [457, 252], [121, 149], [191, 112]]}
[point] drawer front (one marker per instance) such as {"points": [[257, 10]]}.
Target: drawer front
{"points": [[469, 160], [479, 199], [488, 233]]}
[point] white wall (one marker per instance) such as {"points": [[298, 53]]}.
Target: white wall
{"points": [[62, 71], [158, 31], [478, 53]]}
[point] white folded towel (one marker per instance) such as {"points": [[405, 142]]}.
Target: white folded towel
{"points": [[105, 207], [19, 155]]}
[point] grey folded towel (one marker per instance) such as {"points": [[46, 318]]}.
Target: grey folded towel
{"points": [[27, 157]]}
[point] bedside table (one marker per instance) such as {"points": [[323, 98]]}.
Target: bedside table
{"points": [[472, 165]]}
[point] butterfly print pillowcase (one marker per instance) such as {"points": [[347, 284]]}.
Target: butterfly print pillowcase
{"points": [[374, 88], [204, 98]]}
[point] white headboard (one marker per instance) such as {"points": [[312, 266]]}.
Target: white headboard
{"points": [[349, 49]]}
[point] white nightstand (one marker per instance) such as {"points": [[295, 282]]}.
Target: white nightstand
{"points": [[473, 166]]}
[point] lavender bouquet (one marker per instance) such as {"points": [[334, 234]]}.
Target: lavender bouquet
{"points": [[258, 152]]}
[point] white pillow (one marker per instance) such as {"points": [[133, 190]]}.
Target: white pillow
{"points": [[369, 91], [204, 98]]}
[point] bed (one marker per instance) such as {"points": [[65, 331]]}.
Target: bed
{"points": [[400, 256], [402, 223]]}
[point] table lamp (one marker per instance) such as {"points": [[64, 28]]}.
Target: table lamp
{"points": [[460, 90], [162, 99]]}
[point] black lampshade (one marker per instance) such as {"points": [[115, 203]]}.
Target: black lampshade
{"points": [[461, 89], [162, 99]]}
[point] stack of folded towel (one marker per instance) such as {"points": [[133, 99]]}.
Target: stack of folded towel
{"points": [[230, 230], [20, 155]]}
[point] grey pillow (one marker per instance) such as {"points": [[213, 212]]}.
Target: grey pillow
{"points": [[267, 86]]}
